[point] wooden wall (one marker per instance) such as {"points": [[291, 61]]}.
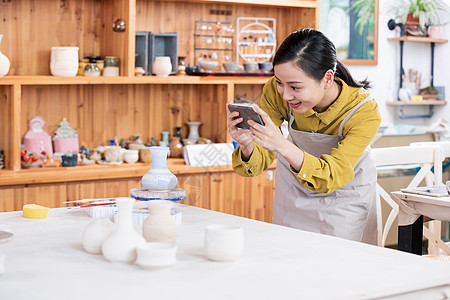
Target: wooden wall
{"points": [[29, 36], [100, 112]]}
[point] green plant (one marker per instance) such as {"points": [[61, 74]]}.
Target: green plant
{"points": [[426, 10], [365, 10]]}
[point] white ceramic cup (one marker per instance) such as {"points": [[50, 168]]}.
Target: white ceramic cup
{"points": [[223, 242], [156, 255], [64, 61], [131, 156]]}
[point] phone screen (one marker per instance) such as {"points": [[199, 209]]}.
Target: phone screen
{"points": [[247, 113]]}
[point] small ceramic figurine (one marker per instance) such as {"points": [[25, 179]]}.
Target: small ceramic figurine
{"points": [[84, 161], [36, 139], [50, 162], [66, 138], [85, 151], [30, 160], [69, 160]]}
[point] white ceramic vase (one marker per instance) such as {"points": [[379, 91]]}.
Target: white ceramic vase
{"points": [[96, 233], [4, 62], [193, 130], [64, 61], [162, 66], [160, 226], [121, 245], [159, 177]]}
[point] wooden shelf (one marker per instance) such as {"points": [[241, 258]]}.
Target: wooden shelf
{"points": [[100, 172], [96, 172], [418, 39], [416, 103], [80, 80], [281, 3]]}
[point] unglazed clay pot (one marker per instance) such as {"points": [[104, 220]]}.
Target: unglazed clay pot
{"points": [[121, 245], [159, 177], [160, 226], [176, 147], [162, 66], [64, 61], [156, 255], [96, 233], [131, 156]]}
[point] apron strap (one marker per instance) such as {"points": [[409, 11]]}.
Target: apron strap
{"points": [[352, 112]]}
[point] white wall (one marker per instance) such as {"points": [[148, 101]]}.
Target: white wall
{"points": [[385, 75]]}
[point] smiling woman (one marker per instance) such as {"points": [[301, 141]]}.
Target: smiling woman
{"points": [[352, 25], [325, 177]]}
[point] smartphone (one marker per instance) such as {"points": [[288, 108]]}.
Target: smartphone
{"points": [[247, 113]]}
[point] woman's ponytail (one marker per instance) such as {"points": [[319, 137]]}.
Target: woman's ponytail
{"points": [[343, 73]]}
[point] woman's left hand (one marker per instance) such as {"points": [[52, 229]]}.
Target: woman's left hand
{"points": [[269, 136]]}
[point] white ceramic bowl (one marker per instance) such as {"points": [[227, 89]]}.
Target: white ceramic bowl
{"points": [[208, 65], [231, 66], [251, 67], [156, 255]]}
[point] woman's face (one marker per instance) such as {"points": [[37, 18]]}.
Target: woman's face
{"points": [[297, 88]]}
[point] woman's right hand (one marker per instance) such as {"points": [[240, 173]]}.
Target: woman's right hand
{"points": [[242, 136]]}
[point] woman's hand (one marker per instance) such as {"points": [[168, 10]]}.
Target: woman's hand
{"points": [[269, 136], [242, 136]]}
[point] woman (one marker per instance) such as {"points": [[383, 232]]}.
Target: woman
{"points": [[325, 177]]}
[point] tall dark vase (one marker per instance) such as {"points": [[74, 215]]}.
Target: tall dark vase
{"points": [[178, 134]]}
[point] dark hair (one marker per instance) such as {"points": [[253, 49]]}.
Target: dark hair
{"points": [[315, 54]]}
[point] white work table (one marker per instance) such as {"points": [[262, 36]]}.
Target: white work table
{"points": [[46, 261]]}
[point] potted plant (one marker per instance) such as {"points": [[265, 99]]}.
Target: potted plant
{"points": [[416, 14]]}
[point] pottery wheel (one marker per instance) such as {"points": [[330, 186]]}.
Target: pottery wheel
{"points": [[149, 194], [5, 237]]}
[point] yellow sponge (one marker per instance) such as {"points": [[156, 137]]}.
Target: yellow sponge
{"points": [[33, 211]]}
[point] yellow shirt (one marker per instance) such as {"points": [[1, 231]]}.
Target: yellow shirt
{"points": [[328, 172]]}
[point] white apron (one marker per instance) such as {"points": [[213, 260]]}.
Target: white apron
{"points": [[349, 212]]}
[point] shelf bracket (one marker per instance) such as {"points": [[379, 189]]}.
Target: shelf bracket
{"points": [[402, 114]]}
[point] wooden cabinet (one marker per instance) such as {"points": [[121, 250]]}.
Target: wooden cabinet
{"points": [[104, 107]]}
